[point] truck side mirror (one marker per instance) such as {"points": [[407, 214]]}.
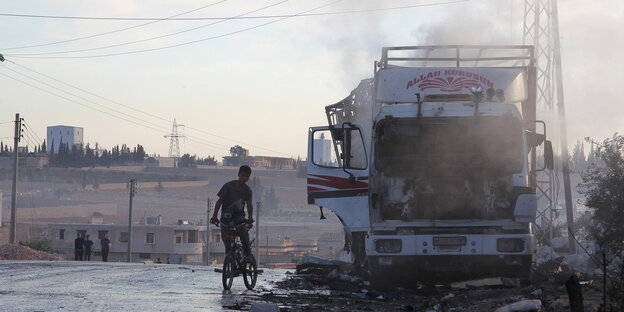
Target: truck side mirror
{"points": [[548, 155]]}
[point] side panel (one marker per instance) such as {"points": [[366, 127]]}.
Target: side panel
{"points": [[341, 190]]}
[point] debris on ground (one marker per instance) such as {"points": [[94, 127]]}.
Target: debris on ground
{"points": [[317, 265], [487, 282], [524, 305], [264, 307], [324, 285], [21, 252]]}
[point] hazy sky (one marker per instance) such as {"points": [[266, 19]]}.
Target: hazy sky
{"points": [[262, 88]]}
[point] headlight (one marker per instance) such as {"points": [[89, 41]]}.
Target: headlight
{"points": [[388, 245], [510, 244]]}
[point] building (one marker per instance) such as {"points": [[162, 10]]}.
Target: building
{"points": [[73, 136], [270, 162], [171, 243], [322, 151]]}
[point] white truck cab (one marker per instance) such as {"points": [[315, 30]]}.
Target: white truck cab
{"points": [[431, 169]]}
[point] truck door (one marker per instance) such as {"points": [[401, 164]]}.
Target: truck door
{"points": [[338, 173]]}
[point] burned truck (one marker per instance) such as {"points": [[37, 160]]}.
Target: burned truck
{"points": [[431, 165]]}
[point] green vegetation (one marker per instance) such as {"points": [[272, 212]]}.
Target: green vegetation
{"points": [[602, 186], [79, 157], [40, 244]]}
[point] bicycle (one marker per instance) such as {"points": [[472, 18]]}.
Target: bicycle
{"points": [[236, 263]]}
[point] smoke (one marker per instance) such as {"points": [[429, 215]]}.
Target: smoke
{"points": [[482, 22], [592, 41]]}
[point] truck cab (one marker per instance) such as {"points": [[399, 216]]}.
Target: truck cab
{"points": [[437, 163]]}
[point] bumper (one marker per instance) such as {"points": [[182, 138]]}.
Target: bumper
{"points": [[451, 245], [448, 268], [449, 257]]}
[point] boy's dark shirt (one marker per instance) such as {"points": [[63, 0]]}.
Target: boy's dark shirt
{"points": [[79, 243], [88, 244], [230, 193], [105, 242]]}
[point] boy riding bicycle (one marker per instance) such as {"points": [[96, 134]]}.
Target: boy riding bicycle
{"points": [[232, 198]]}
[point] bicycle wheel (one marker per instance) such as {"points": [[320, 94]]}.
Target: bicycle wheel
{"points": [[250, 272], [228, 271]]}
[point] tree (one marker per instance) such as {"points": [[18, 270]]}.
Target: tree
{"points": [[89, 156], [238, 151], [602, 186], [210, 161], [240, 156], [187, 161], [578, 162]]}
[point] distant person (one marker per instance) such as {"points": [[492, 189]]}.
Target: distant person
{"points": [[88, 248], [78, 247], [106, 244], [232, 197], [158, 260]]}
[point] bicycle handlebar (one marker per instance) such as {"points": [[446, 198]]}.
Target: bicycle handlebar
{"points": [[221, 224]]}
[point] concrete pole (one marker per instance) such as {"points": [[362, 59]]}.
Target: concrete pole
{"points": [[258, 206], [16, 139], [208, 203], [132, 187], [563, 131]]}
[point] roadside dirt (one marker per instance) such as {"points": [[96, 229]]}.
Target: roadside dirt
{"points": [[20, 252]]}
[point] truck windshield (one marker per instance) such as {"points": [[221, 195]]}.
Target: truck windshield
{"points": [[491, 144]]}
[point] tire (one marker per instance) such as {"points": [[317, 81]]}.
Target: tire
{"points": [[229, 265], [250, 272]]}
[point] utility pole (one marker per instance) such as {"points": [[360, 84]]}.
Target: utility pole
{"points": [[208, 203], [132, 193], [16, 139], [563, 132], [258, 205]]}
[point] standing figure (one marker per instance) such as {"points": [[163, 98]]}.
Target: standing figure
{"points": [[106, 244], [232, 197], [78, 247], [88, 248]]}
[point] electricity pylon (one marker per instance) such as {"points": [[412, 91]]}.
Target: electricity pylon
{"points": [[174, 143], [541, 29]]}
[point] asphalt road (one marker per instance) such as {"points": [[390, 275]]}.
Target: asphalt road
{"points": [[97, 286]]}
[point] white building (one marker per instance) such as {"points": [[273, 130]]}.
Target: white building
{"points": [[66, 134], [322, 151]]}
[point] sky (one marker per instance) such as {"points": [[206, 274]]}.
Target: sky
{"points": [[261, 82]]}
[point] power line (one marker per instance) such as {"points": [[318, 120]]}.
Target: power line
{"points": [[148, 39], [6, 122], [71, 100], [219, 18], [85, 91], [30, 129], [82, 98], [29, 140], [196, 140], [115, 31], [191, 42], [143, 112], [29, 135]]}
